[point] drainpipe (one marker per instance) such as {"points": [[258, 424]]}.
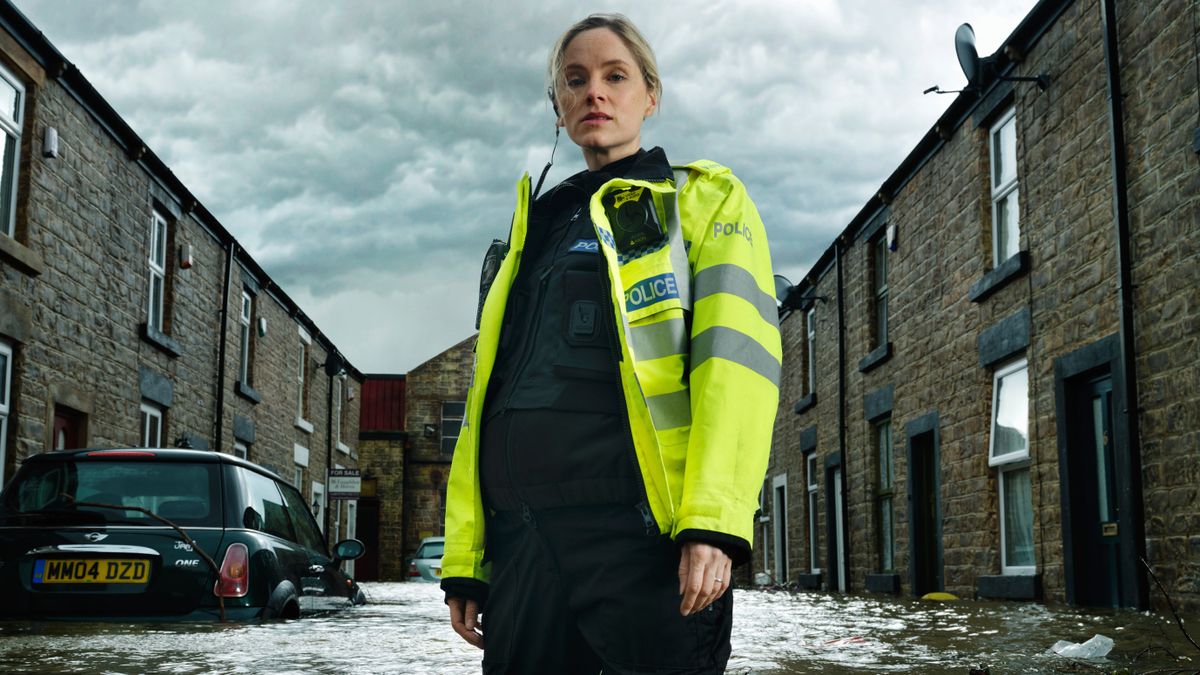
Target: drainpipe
{"points": [[839, 249], [1131, 503], [219, 413], [328, 450]]}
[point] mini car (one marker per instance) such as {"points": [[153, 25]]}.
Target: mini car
{"points": [[163, 534], [426, 564]]}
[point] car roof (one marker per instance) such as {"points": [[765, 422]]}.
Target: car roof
{"points": [[149, 454]]}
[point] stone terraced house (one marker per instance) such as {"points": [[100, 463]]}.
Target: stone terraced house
{"points": [[129, 316], [991, 377]]}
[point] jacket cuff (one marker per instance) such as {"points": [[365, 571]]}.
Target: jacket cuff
{"points": [[465, 587], [736, 548]]}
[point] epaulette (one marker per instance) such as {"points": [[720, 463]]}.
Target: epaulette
{"points": [[706, 167]]}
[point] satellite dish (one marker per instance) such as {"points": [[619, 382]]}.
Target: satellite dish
{"points": [[968, 56], [334, 364], [782, 288]]}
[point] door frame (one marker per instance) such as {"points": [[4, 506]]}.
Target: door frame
{"points": [[1072, 371], [927, 424], [780, 527], [834, 515]]}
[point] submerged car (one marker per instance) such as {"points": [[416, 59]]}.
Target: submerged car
{"points": [[426, 563], [150, 534]]}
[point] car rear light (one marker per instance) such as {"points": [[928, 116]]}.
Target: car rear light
{"points": [[234, 580], [412, 570], [120, 453]]}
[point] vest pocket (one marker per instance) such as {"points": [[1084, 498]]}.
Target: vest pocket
{"points": [[586, 329]]}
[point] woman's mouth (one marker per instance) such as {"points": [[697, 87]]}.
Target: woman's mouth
{"points": [[596, 118]]}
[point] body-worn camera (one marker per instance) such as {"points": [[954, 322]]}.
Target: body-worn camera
{"points": [[633, 218], [491, 266]]}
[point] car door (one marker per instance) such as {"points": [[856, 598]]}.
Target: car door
{"points": [[320, 590]]}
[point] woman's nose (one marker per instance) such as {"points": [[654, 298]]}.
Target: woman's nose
{"points": [[595, 90]]}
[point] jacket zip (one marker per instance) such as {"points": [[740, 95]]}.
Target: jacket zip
{"points": [[610, 321]]}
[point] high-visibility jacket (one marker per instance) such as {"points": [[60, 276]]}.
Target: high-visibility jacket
{"points": [[700, 359]]}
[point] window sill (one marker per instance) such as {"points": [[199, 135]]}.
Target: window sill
{"points": [[1010, 586], [160, 340], [809, 582], [998, 277], [883, 583], [304, 425], [247, 392], [876, 358], [343, 448], [25, 259], [805, 403]]}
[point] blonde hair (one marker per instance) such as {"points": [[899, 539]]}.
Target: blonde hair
{"points": [[624, 29]]}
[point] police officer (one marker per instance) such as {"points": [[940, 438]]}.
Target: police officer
{"points": [[625, 386]]}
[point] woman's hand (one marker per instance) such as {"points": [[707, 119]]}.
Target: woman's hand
{"points": [[464, 618], [704, 574]]}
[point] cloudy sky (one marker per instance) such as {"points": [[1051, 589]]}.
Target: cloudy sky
{"points": [[365, 151]]}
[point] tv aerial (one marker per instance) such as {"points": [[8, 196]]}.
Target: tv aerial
{"points": [[973, 66]]}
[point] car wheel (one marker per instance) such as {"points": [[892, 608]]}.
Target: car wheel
{"points": [[284, 603]]}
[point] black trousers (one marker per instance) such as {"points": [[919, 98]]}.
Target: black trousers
{"points": [[591, 588]]}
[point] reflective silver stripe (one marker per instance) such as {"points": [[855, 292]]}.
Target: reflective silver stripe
{"points": [[670, 411], [735, 346], [656, 340], [736, 280], [679, 259]]}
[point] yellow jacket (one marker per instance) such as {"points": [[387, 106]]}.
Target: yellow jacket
{"points": [[700, 360]]}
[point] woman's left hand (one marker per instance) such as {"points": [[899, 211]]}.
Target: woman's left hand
{"points": [[704, 574]]}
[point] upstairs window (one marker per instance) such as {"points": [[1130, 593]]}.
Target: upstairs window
{"points": [[879, 289], [152, 425], [1006, 228], [12, 107], [810, 344], [452, 418], [303, 354], [244, 344], [158, 273]]}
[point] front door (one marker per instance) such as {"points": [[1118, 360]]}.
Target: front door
{"points": [[836, 528], [1095, 513], [367, 529], [924, 530]]}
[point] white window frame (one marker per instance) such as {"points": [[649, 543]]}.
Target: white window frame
{"points": [[298, 477], [442, 427], [339, 397], [151, 417], [1001, 191], [247, 311], [1005, 568], [12, 127], [764, 520], [810, 319], [879, 288], [780, 516], [301, 381], [157, 260], [810, 466], [886, 493], [300, 460], [1000, 373], [318, 498], [6, 351], [242, 450], [351, 531]]}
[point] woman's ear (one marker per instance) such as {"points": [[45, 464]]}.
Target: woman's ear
{"points": [[651, 106]]}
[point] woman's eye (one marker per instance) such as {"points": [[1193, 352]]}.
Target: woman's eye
{"points": [[574, 81], [617, 77]]}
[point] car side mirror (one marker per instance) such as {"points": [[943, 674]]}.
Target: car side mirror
{"points": [[348, 549]]}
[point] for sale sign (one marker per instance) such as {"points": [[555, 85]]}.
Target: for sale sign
{"points": [[344, 484]]}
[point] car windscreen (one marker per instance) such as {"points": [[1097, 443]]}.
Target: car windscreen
{"points": [[69, 492], [432, 549]]}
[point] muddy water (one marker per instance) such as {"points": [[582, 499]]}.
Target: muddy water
{"points": [[404, 630]]}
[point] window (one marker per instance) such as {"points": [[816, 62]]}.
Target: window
{"points": [[810, 345], [266, 511], [884, 495], [879, 289], [307, 532], [351, 532], [303, 381], [12, 110], [1006, 229], [452, 418], [69, 428], [814, 561], [152, 425], [298, 477], [244, 353], [1009, 451], [158, 273], [240, 449], [6, 358], [337, 520], [338, 396]]}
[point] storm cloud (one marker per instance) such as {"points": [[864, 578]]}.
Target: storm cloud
{"points": [[366, 152]]}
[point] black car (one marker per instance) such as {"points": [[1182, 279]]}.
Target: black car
{"points": [[150, 534]]}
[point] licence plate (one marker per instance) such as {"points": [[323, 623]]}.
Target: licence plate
{"points": [[437, 572], [91, 571]]}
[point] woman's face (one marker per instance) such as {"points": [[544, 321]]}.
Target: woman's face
{"points": [[605, 97]]}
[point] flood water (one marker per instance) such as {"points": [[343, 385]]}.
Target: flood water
{"points": [[404, 629]]}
